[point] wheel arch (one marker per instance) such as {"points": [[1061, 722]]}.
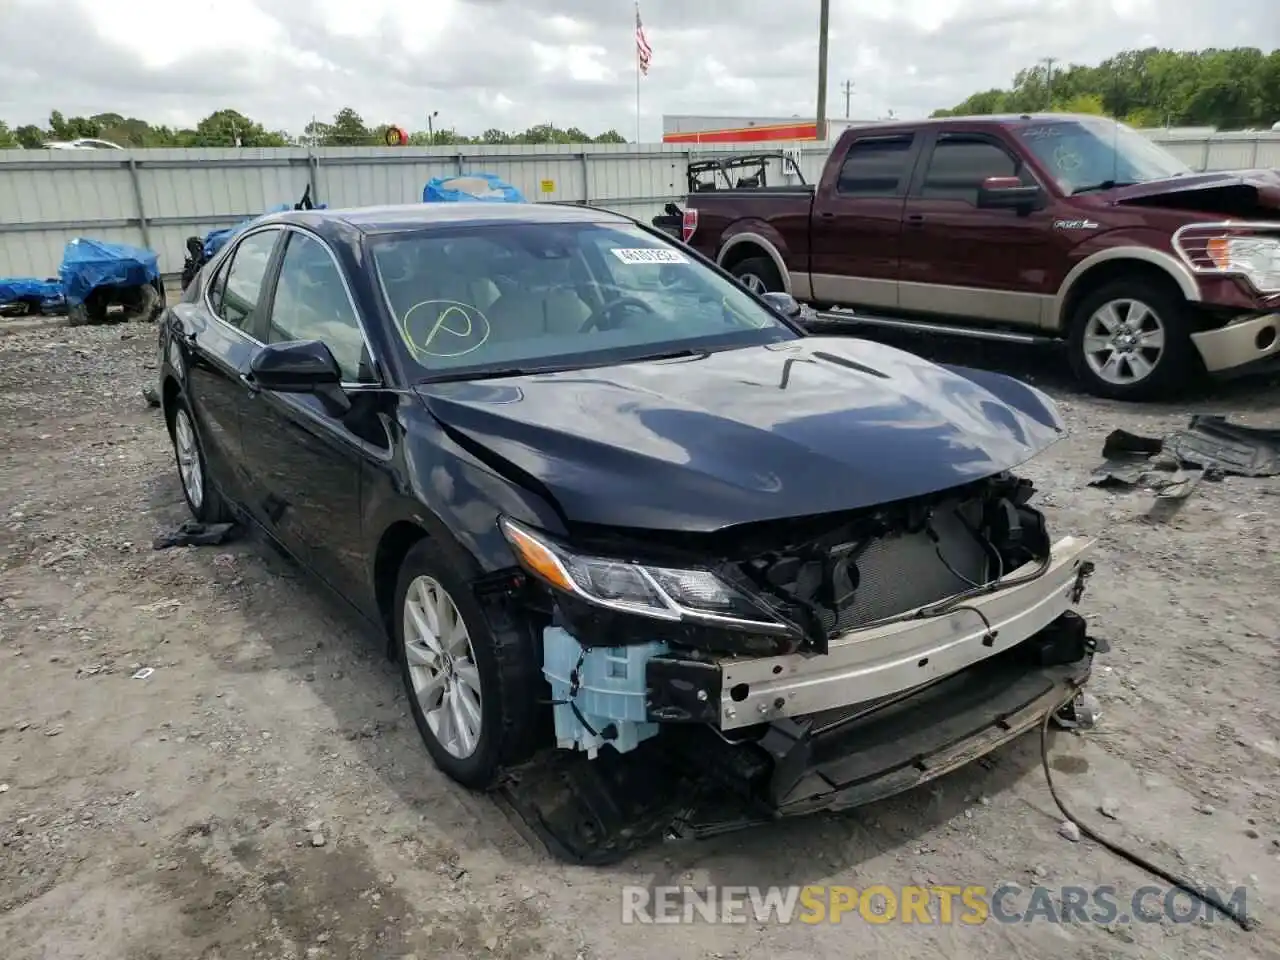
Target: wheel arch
{"points": [[1113, 264], [388, 556], [170, 391], [748, 244]]}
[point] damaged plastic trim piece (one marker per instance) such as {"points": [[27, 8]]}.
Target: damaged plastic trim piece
{"points": [[619, 694], [703, 784], [879, 661]]}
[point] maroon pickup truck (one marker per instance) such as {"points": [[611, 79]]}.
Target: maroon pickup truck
{"points": [[1022, 228]]}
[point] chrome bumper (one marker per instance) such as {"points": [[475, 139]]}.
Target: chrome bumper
{"points": [[1240, 344], [866, 664]]}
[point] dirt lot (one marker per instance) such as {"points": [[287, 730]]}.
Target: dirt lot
{"points": [[264, 793]]}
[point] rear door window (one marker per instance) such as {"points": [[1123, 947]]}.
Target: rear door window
{"points": [[876, 167]]}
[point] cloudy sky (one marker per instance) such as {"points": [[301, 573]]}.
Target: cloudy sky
{"points": [[515, 63]]}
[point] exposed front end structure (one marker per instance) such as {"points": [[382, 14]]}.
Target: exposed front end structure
{"points": [[899, 645]]}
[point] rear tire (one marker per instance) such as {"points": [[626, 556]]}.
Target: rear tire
{"points": [[203, 499], [1131, 340], [759, 275], [489, 671]]}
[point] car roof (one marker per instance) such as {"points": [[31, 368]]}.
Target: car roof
{"points": [[1020, 119], [893, 127], [414, 217]]}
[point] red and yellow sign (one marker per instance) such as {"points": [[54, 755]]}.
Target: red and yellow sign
{"points": [[763, 132]]}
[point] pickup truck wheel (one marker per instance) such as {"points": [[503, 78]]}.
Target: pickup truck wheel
{"points": [[470, 680], [758, 274], [1131, 340]]}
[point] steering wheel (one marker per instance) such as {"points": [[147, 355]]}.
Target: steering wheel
{"points": [[604, 312]]}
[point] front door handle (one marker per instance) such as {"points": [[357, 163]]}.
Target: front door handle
{"points": [[250, 384]]}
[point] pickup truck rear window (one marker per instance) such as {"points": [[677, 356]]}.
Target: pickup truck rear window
{"points": [[875, 167]]}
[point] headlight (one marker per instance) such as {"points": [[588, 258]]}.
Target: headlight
{"points": [[665, 593], [1256, 258]]}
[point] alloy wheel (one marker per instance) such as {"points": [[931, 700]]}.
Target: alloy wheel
{"points": [[442, 667], [1123, 342], [188, 451]]}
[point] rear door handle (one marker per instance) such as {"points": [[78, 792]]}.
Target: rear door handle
{"points": [[827, 215], [915, 218]]}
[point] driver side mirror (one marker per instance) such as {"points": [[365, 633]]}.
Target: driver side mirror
{"points": [[1008, 193], [300, 366], [783, 303]]}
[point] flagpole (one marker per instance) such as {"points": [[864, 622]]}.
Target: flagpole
{"points": [[637, 46]]}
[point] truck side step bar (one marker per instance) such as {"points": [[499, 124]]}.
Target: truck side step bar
{"points": [[849, 318]]}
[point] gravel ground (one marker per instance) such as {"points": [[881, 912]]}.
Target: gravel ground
{"points": [[264, 793]]}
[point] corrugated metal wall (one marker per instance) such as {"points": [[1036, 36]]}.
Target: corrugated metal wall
{"points": [[157, 198]]}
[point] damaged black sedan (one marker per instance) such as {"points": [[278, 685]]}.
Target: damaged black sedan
{"points": [[651, 558]]}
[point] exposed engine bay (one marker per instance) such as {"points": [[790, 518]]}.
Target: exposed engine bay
{"points": [[797, 665]]}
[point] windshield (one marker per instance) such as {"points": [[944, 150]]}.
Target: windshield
{"points": [[499, 298], [1088, 153]]}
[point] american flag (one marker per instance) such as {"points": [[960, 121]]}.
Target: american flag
{"points": [[643, 51]]}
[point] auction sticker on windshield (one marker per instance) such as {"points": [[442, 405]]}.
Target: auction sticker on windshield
{"points": [[649, 255]]}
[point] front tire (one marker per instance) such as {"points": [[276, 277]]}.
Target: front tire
{"points": [[1131, 340], [472, 686], [758, 274], [203, 499]]}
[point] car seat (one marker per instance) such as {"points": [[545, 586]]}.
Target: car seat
{"points": [[467, 273], [545, 303]]}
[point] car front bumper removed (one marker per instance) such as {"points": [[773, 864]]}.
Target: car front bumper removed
{"points": [[870, 663], [744, 741], [694, 782]]}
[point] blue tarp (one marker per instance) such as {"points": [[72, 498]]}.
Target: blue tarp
{"points": [[89, 264], [484, 187], [15, 289], [215, 240]]}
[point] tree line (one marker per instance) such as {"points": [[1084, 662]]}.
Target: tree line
{"points": [[1228, 89], [1237, 89], [230, 128]]}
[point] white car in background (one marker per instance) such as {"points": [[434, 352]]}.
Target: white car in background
{"points": [[84, 143]]}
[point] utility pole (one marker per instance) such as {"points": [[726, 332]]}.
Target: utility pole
{"points": [[1048, 79], [848, 94], [824, 20]]}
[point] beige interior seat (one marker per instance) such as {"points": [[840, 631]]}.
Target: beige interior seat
{"points": [[527, 315], [467, 274]]}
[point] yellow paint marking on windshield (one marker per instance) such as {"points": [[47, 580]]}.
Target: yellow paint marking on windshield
{"points": [[446, 323], [445, 314]]}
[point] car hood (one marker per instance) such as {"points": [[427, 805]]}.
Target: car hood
{"points": [[809, 426], [1251, 188]]}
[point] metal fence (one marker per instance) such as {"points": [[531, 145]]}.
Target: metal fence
{"points": [[157, 198]]}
